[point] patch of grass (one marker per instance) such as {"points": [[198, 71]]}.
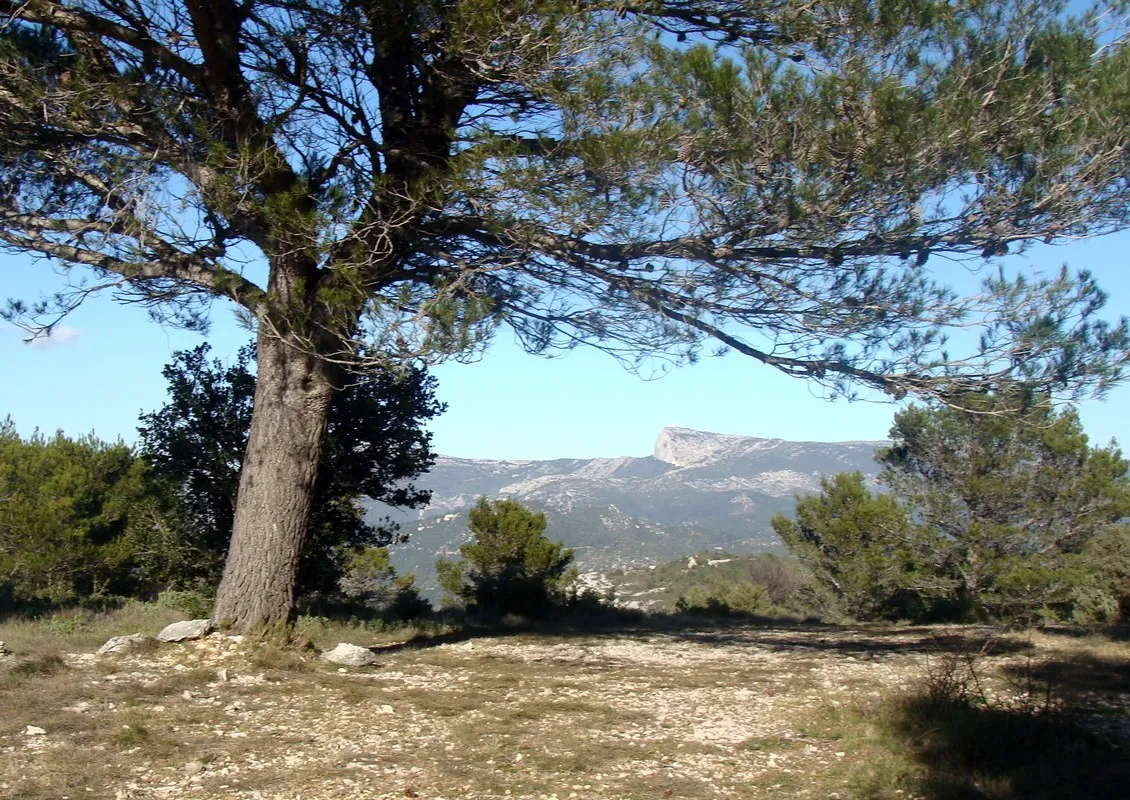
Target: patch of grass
{"points": [[130, 734], [79, 630], [275, 658], [168, 685], [770, 744], [39, 666]]}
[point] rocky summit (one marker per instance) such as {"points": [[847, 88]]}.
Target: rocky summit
{"points": [[696, 491]]}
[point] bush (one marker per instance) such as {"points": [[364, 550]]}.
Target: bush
{"points": [[1105, 598], [371, 581], [70, 513], [728, 598], [196, 605], [854, 544], [510, 567]]}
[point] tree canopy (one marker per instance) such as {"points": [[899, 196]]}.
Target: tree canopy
{"points": [[509, 566], [372, 180], [774, 175], [375, 446], [1000, 509]]}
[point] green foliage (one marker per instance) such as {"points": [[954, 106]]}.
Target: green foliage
{"points": [[195, 605], [370, 580], [375, 444], [856, 545], [1007, 497], [70, 513], [719, 597], [1105, 595], [510, 566], [999, 509]]}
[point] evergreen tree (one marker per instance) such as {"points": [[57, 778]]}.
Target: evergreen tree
{"points": [[857, 546], [1011, 494], [650, 178], [70, 513], [375, 445], [510, 566]]}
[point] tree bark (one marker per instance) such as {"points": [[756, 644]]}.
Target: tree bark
{"points": [[284, 449]]}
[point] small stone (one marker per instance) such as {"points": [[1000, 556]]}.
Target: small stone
{"points": [[384, 709], [222, 675], [186, 630], [124, 644], [350, 655], [32, 730], [193, 768]]}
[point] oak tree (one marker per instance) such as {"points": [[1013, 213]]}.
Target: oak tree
{"points": [[375, 446], [372, 180]]}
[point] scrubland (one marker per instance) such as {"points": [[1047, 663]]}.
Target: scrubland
{"points": [[616, 708]]}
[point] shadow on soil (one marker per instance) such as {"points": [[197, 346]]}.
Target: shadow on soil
{"points": [[738, 631], [999, 754]]}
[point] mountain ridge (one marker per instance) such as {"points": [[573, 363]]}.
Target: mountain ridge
{"points": [[697, 490]]}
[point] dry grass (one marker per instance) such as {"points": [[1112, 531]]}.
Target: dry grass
{"points": [[730, 713]]}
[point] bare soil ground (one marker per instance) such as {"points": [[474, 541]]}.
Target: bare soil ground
{"points": [[646, 711]]}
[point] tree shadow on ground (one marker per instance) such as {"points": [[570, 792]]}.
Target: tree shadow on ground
{"points": [[1077, 676], [974, 752], [739, 631]]}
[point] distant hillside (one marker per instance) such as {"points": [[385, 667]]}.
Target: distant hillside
{"points": [[696, 491], [659, 587]]}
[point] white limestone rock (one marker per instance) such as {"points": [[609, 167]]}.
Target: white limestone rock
{"points": [[350, 655], [124, 644], [186, 630]]}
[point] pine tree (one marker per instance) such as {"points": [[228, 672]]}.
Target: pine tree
{"points": [[509, 566], [1011, 493]]}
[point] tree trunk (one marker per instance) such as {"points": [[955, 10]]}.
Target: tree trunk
{"points": [[276, 486]]}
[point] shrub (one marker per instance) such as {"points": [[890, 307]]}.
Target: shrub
{"points": [[510, 566], [69, 509], [728, 598], [370, 580], [195, 604]]}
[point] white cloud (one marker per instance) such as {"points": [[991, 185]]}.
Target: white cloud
{"points": [[61, 335]]}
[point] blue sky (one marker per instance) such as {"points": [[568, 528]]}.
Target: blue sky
{"points": [[105, 368]]}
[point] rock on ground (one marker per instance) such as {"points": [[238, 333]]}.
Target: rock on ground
{"points": [[186, 630], [350, 655], [124, 644]]}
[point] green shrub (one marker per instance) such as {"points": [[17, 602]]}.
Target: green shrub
{"points": [[510, 567], [728, 598], [196, 605], [70, 510], [371, 581]]}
